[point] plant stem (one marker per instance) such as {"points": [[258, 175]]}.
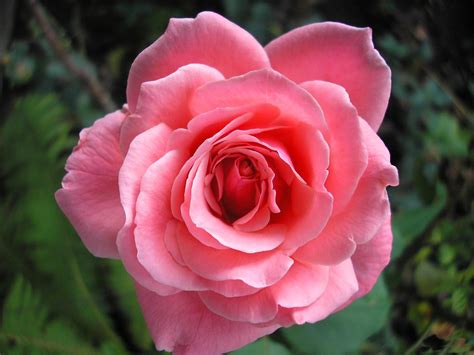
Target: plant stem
{"points": [[414, 347], [93, 85]]}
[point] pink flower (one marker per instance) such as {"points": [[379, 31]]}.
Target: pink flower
{"points": [[244, 188]]}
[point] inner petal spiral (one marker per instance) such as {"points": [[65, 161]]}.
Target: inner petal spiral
{"points": [[240, 192]]}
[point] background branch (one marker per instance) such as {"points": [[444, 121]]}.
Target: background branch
{"points": [[97, 91]]}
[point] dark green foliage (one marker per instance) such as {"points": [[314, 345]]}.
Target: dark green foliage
{"points": [[36, 238], [412, 222], [27, 327], [263, 346]]}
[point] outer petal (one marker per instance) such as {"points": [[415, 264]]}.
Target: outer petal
{"points": [[365, 213], [372, 189], [379, 157], [166, 100], [334, 245], [90, 193], [301, 287], [348, 152], [144, 150], [209, 39], [264, 86], [257, 270], [340, 54], [342, 285], [257, 308], [183, 325], [152, 221], [371, 258]]}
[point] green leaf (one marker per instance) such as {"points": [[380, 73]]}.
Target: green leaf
{"points": [[409, 224], [111, 348], [27, 328], [446, 254], [430, 279], [345, 331], [460, 301], [445, 136], [264, 346]]}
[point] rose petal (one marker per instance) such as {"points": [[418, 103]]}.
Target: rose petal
{"points": [[369, 206], [257, 270], [264, 86], [371, 258], [147, 148], [361, 219], [90, 193], [128, 254], [334, 245], [365, 213], [259, 219], [183, 325], [166, 100], [379, 158], [171, 241], [301, 286], [152, 217], [239, 195], [309, 165], [342, 285], [311, 206], [144, 150], [340, 54], [257, 308], [310, 211], [209, 39], [226, 120], [348, 154], [203, 224]]}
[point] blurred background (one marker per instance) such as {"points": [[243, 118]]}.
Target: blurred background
{"points": [[65, 63]]}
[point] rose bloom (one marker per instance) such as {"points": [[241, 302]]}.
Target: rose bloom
{"points": [[243, 188]]}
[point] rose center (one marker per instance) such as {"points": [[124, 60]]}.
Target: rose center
{"points": [[246, 168], [239, 182]]}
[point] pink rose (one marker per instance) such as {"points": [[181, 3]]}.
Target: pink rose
{"points": [[244, 188]]}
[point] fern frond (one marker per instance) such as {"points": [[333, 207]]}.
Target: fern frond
{"points": [[27, 328], [34, 141]]}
